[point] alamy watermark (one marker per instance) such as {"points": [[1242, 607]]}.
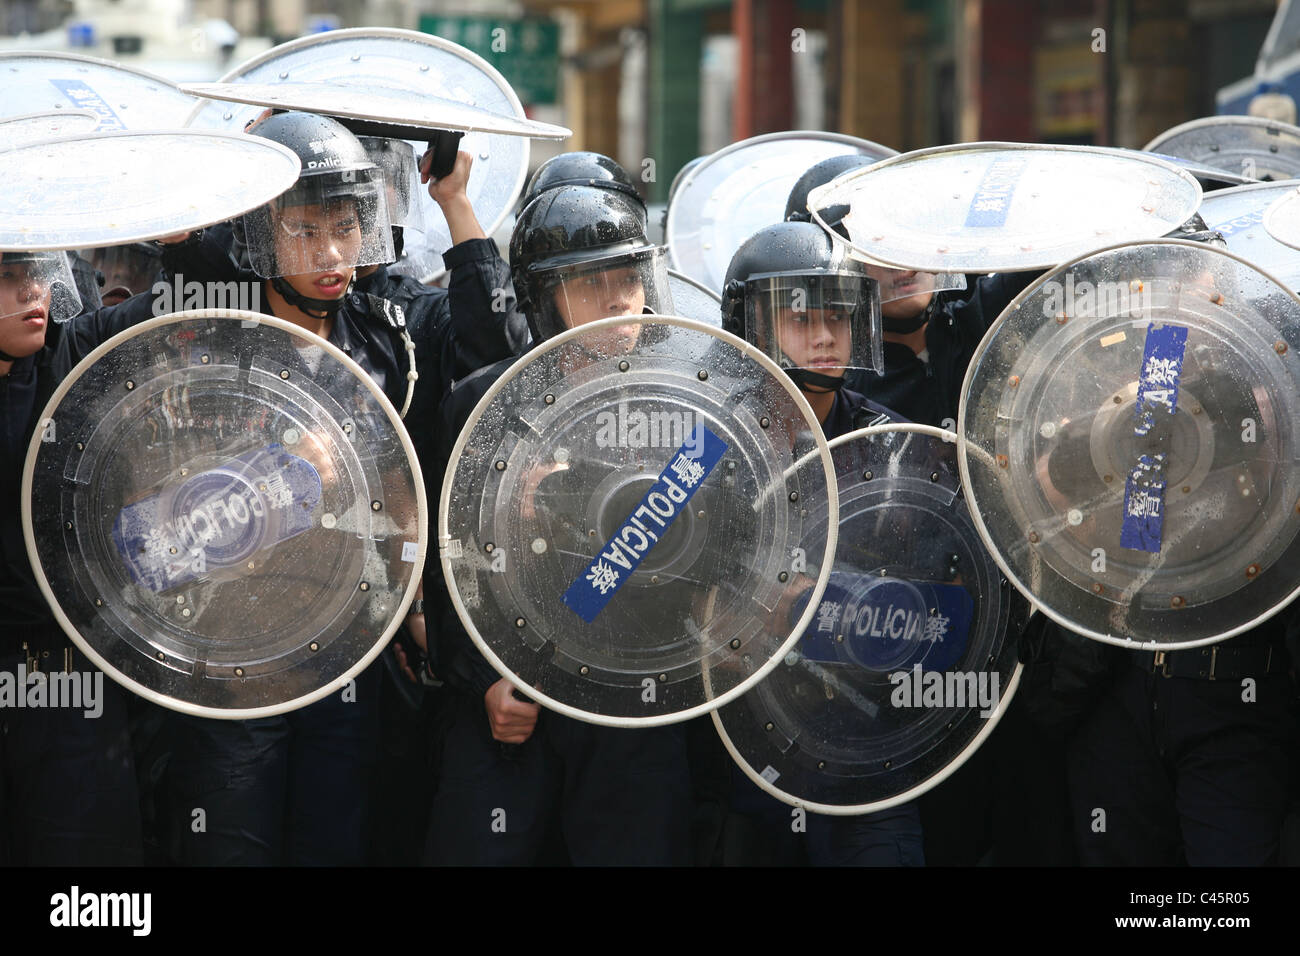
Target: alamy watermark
{"points": [[946, 689], [35, 689], [1069, 298], [182, 296], [654, 429]]}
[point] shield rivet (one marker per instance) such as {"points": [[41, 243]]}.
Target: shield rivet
{"points": [[702, 375], [365, 585], [783, 577], [500, 465], [623, 366], [794, 496], [284, 374], [764, 422], [376, 505], [313, 646]]}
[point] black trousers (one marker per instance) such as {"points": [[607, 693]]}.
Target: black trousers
{"points": [[620, 797], [68, 793], [1171, 770], [290, 790]]}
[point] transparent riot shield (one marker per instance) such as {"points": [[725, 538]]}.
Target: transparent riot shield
{"points": [[730, 195], [122, 97], [418, 65], [910, 658], [1251, 146], [1128, 444], [625, 525], [225, 513], [34, 127], [1237, 214], [1005, 207], [141, 185]]}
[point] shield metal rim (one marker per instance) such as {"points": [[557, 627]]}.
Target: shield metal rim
{"points": [[395, 33], [1270, 215], [989, 146], [977, 517], [832, 497], [125, 238], [49, 114], [33, 555], [97, 61], [929, 783], [259, 95]]}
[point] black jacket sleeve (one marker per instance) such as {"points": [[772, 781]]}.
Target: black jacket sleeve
{"points": [[452, 653], [486, 326]]}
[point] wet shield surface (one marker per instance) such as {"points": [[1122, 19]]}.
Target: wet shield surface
{"points": [[225, 513], [416, 64], [34, 127], [121, 96], [1130, 447], [625, 526], [906, 665], [730, 195], [694, 300], [1248, 145], [141, 185], [1237, 214], [1000, 207]]}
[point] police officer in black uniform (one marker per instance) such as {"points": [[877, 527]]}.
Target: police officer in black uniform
{"points": [[294, 788], [578, 253], [792, 292], [67, 778]]}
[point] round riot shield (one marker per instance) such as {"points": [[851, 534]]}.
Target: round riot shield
{"points": [[910, 658], [121, 96], [730, 195], [418, 65], [141, 185], [1128, 444], [1249, 145], [1005, 207], [34, 127], [694, 300], [225, 513], [1237, 214], [625, 529], [362, 100]]}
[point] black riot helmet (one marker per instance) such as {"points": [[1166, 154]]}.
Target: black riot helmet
{"points": [[335, 217], [581, 169], [796, 206], [793, 293], [580, 253]]}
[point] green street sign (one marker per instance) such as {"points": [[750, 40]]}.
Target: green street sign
{"points": [[527, 52]]}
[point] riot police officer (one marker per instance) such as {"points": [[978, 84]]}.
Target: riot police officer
{"points": [[578, 254], [792, 292]]}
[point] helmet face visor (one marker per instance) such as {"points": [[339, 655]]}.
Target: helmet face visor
{"points": [[827, 323], [576, 293], [128, 270], [37, 285], [327, 223]]}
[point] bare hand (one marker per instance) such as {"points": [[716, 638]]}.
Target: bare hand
{"points": [[512, 720]]}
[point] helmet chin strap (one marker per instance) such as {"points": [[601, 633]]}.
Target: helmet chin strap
{"points": [[908, 326], [808, 380], [6, 357], [306, 304]]}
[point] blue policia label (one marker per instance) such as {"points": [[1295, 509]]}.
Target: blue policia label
{"points": [[1142, 527], [992, 199], [83, 97], [667, 498]]}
